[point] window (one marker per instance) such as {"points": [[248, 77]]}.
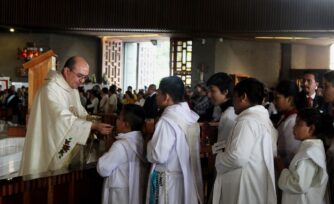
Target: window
{"points": [[181, 59], [112, 60], [145, 63]]}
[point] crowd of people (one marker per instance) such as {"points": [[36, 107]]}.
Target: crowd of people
{"points": [[278, 150], [14, 102]]}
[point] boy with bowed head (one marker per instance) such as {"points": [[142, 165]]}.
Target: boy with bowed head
{"points": [[175, 175], [124, 165]]}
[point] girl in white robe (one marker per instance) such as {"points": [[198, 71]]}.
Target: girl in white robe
{"points": [[305, 181], [285, 100], [124, 165]]}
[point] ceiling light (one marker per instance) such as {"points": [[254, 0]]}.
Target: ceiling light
{"points": [[281, 38], [133, 36]]}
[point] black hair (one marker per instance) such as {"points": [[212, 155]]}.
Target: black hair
{"points": [[223, 81], [202, 86], [134, 115], [174, 87], [105, 90], [315, 74], [112, 89], [152, 86], [288, 88], [130, 94], [253, 88], [323, 123], [329, 76], [70, 63]]}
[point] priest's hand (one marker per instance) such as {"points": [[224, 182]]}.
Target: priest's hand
{"points": [[102, 128]]}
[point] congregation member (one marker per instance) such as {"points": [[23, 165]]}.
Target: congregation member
{"points": [[94, 102], [175, 175], [305, 181], [104, 102], [129, 98], [150, 106], [247, 165], [328, 92], [124, 166], [57, 121], [83, 98], [309, 97], [286, 98], [12, 105], [201, 103], [113, 99], [140, 98]]}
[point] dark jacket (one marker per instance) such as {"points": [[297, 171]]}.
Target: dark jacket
{"points": [[150, 106]]}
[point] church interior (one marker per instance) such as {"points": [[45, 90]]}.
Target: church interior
{"points": [[136, 43]]}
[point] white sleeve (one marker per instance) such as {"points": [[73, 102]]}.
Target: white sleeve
{"points": [[161, 144], [298, 180], [111, 159], [238, 149], [226, 124]]}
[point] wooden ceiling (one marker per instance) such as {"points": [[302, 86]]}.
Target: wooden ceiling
{"points": [[240, 19]]}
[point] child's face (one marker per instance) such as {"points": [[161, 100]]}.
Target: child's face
{"points": [[216, 96], [301, 130], [161, 99], [282, 103], [328, 91], [240, 103], [121, 125]]}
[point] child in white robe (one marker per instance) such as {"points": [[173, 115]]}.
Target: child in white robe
{"points": [[124, 165], [220, 92], [175, 175], [305, 181], [246, 166]]}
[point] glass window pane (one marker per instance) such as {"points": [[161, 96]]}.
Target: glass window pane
{"points": [[179, 56], [184, 55], [188, 81], [189, 56]]}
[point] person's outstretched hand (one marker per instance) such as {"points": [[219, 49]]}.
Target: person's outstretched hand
{"points": [[102, 128]]}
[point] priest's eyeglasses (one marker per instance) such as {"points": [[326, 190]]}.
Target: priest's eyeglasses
{"points": [[80, 76]]}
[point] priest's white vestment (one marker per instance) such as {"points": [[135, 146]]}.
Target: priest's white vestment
{"points": [[305, 182], [125, 169], [246, 168], [175, 157], [57, 123]]}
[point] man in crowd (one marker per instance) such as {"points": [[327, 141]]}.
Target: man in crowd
{"points": [[150, 105], [308, 96]]}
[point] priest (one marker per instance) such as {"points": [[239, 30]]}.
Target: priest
{"points": [[57, 122]]}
